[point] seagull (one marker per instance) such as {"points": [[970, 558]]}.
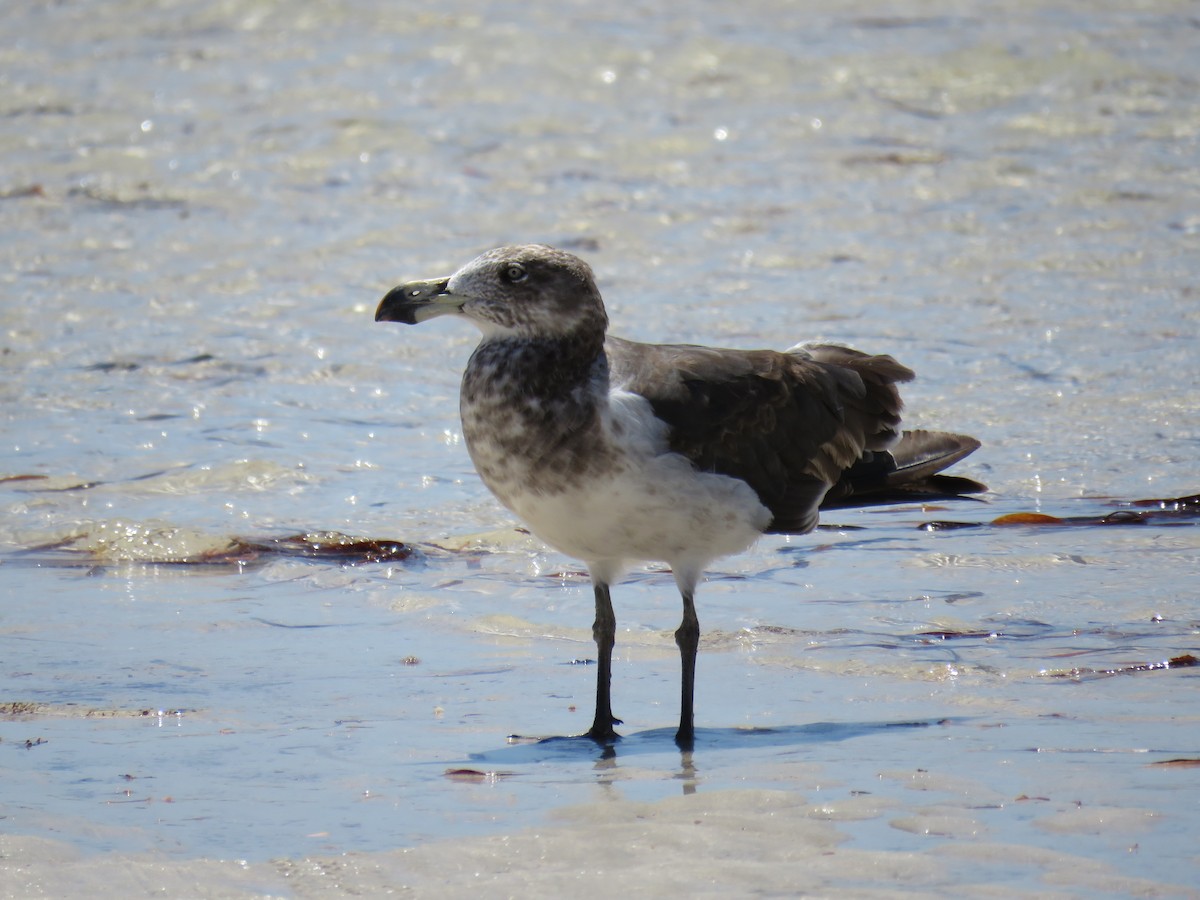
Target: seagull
{"points": [[614, 451]]}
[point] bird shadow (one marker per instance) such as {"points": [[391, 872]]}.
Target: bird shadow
{"points": [[539, 751]]}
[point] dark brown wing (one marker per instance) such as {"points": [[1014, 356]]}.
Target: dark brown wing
{"points": [[788, 424]]}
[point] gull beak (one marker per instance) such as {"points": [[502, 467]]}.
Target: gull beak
{"points": [[417, 301]]}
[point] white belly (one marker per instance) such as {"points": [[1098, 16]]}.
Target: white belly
{"points": [[651, 504], [661, 511]]}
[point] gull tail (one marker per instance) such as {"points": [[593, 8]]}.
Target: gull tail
{"points": [[910, 470]]}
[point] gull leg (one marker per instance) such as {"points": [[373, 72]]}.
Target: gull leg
{"points": [[604, 630], [687, 637]]}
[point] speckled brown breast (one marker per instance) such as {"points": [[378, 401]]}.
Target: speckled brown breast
{"points": [[530, 415]]}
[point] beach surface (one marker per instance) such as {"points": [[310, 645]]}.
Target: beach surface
{"points": [[263, 632]]}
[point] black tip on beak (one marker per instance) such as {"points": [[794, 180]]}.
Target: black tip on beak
{"points": [[414, 302]]}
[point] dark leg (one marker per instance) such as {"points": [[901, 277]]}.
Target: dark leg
{"points": [[604, 630], [688, 639]]}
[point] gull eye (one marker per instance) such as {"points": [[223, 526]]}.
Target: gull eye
{"points": [[514, 273]]}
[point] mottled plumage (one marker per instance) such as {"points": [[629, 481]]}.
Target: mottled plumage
{"points": [[615, 451]]}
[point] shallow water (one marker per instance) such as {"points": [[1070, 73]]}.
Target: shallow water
{"points": [[202, 207]]}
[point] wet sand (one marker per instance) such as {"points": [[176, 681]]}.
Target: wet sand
{"points": [[203, 206], [736, 843]]}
